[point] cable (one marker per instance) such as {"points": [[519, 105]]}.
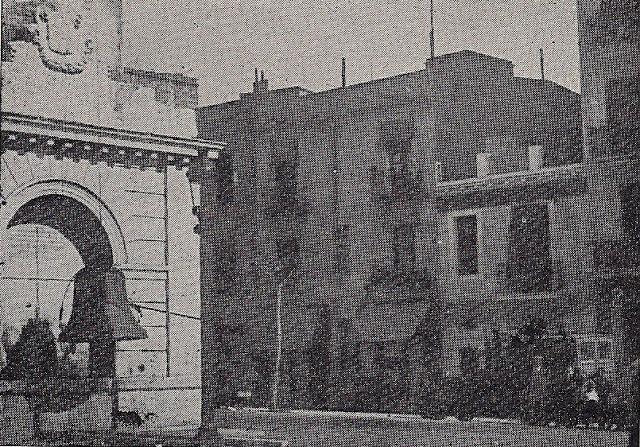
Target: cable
{"points": [[138, 306]]}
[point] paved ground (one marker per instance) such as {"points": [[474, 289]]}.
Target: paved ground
{"points": [[343, 432], [322, 432]]}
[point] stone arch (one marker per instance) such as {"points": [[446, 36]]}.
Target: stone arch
{"points": [[42, 201]]}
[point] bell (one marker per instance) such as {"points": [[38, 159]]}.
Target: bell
{"points": [[100, 309], [117, 309]]}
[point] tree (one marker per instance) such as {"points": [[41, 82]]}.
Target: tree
{"points": [[34, 360]]}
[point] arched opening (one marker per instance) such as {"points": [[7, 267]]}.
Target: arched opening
{"points": [[74, 221], [38, 265], [67, 286]]}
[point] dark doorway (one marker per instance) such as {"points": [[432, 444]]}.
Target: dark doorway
{"points": [[529, 268]]}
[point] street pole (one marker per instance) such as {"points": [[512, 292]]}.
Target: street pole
{"points": [[276, 374]]}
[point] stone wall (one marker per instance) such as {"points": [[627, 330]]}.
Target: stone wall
{"points": [[146, 212]]}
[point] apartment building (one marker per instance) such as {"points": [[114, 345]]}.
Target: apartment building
{"points": [[337, 215]]}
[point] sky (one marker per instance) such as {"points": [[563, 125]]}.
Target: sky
{"points": [[301, 42]]}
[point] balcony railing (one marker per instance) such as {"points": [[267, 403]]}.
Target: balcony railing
{"points": [[546, 278], [385, 276], [616, 254], [396, 185], [289, 206]]}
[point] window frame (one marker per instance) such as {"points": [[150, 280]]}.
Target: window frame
{"points": [[412, 257], [549, 205], [452, 218], [625, 211], [596, 363]]}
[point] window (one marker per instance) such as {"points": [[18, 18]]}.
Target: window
{"points": [[595, 348], [404, 248], [399, 172], [630, 207], [595, 354], [405, 180], [604, 350], [342, 249], [286, 184], [225, 179], [617, 20], [588, 350], [603, 316], [288, 251], [163, 93], [467, 244], [623, 109], [386, 356], [529, 267], [345, 339]]}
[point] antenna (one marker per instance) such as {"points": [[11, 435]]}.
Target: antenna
{"points": [[344, 72], [541, 64], [431, 33]]}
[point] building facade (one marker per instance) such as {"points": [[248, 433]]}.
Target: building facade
{"points": [[96, 170], [374, 222], [609, 38]]}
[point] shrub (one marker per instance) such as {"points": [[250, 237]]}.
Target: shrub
{"points": [[503, 388], [34, 356]]}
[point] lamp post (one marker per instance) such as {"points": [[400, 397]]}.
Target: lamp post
{"points": [[276, 374]]}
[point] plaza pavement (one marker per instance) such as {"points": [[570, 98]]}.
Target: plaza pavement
{"points": [[322, 429]]}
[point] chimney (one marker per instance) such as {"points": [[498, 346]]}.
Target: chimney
{"points": [[483, 164], [260, 86], [535, 157]]}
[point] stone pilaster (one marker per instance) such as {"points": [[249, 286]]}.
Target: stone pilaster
{"points": [[214, 230]]}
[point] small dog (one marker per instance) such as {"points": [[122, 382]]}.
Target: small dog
{"points": [[131, 417]]}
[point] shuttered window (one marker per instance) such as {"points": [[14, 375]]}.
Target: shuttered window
{"points": [[404, 248], [529, 266], [467, 244], [630, 207]]}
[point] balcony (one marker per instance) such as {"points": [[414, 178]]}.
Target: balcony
{"points": [[396, 185], [388, 277], [545, 279], [512, 187], [616, 254], [288, 206]]}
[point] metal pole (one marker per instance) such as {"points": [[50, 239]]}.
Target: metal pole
{"points": [[542, 64], [431, 34], [167, 291], [344, 72], [276, 375]]}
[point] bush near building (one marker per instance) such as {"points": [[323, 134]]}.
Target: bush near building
{"points": [[507, 387]]}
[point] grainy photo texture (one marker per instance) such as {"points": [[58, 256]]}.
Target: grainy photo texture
{"points": [[326, 224]]}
